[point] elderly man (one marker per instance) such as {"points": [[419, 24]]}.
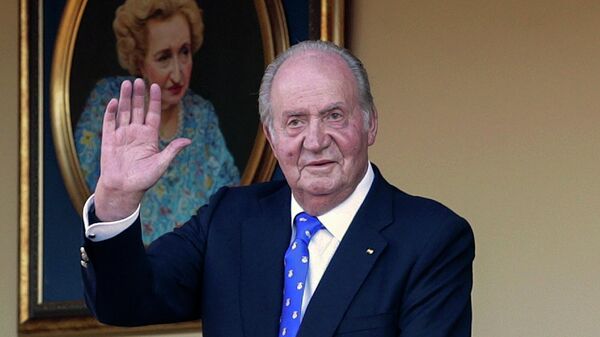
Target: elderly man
{"points": [[332, 250]]}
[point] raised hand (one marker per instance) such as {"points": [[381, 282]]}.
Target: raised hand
{"points": [[130, 161]]}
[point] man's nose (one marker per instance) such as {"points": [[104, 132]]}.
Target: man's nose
{"points": [[316, 137]]}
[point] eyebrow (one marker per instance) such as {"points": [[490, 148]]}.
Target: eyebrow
{"points": [[324, 111], [331, 107], [292, 113], [168, 49], [161, 52]]}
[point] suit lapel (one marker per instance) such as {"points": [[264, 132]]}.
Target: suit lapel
{"points": [[357, 253], [265, 238]]}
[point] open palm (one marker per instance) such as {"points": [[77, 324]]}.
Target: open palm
{"points": [[130, 161]]}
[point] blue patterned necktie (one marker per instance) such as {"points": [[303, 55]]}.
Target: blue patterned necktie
{"points": [[295, 271]]}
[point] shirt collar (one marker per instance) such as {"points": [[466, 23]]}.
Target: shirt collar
{"points": [[338, 219]]}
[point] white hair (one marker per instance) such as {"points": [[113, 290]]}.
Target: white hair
{"points": [[354, 64]]}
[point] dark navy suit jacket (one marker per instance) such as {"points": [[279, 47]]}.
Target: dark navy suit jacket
{"points": [[404, 268]]}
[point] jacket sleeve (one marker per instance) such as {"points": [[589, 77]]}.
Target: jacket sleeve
{"points": [[127, 284], [437, 302]]}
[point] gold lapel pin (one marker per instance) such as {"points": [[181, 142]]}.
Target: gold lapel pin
{"points": [[370, 251]]}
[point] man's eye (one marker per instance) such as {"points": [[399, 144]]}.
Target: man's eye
{"points": [[335, 116], [294, 123]]}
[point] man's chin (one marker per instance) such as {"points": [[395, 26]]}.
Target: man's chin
{"points": [[319, 186]]}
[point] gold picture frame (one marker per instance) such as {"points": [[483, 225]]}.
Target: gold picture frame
{"points": [[37, 315]]}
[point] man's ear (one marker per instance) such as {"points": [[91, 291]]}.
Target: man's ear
{"points": [[269, 137], [372, 131]]}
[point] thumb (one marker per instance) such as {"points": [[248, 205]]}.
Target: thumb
{"points": [[167, 155]]}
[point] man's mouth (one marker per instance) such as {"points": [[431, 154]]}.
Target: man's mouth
{"points": [[320, 164]]}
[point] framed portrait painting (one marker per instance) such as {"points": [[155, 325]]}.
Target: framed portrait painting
{"points": [[74, 56]]}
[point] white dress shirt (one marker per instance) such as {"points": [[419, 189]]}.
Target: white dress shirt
{"points": [[325, 242], [101, 231], [321, 248]]}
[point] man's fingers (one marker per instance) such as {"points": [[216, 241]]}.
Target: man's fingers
{"points": [[110, 119], [154, 107], [124, 110], [139, 93]]}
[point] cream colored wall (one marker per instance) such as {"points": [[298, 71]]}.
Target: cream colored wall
{"points": [[489, 106], [8, 167], [493, 107]]}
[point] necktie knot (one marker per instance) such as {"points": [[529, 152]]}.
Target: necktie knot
{"points": [[306, 226]]}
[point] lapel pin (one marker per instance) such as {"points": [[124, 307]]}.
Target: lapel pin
{"points": [[370, 251]]}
